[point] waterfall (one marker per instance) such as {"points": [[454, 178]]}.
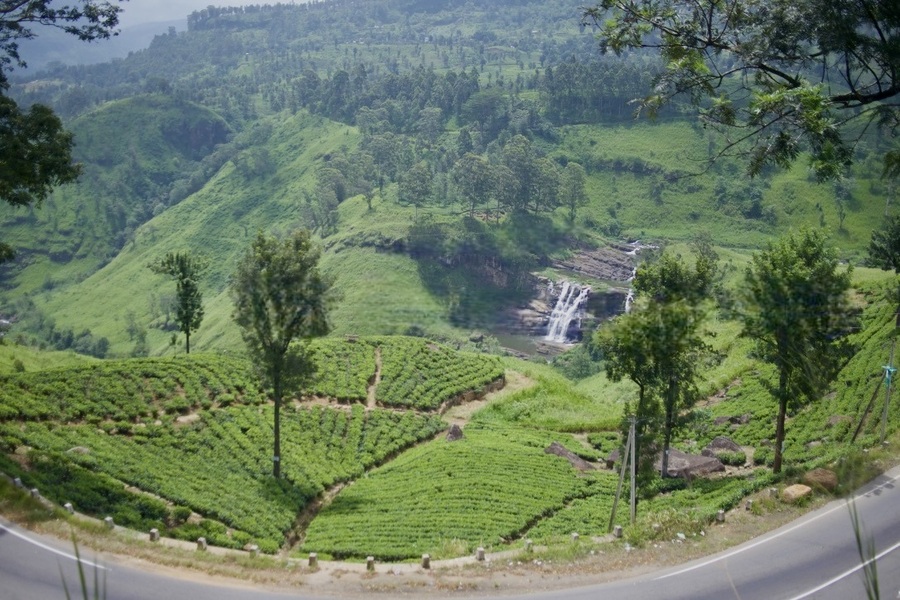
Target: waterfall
{"points": [[629, 300], [568, 306]]}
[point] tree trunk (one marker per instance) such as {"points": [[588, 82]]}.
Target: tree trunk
{"points": [[276, 454], [779, 426], [187, 342], [667, 433]]}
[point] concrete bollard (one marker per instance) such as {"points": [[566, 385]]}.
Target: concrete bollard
{"points": [[773, 492], [313, 560], [34, 493], [18, 482], [749, 505], [154, 535], [720, 516], [617, 531], [254, 550], [479, 553], [201, 544], [426, 561], [575, 536], [370, 563], [69, 508], [109, 522], [529, 546]]}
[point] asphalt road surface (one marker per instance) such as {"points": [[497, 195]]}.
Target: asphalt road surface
{"points": [[815, 557]]}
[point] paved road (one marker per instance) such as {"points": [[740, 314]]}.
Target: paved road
{"points": [[814, 557]]}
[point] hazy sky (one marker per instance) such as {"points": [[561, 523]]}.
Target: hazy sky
{"points": [[152, 11]]}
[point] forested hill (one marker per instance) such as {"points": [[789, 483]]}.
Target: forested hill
{"points": [[442, 151]]}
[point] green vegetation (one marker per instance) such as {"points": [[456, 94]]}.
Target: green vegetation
{"points": [[487, 489], [280, 303], [422, 375], [783, 103], [438, 173], [193, 432]]}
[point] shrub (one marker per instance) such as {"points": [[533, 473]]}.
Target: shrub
{"points": [[736, 459], [763, 456]]}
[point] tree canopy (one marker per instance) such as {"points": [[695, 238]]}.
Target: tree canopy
{"points": [[659, 345], [280, 297], [797, 310], [778, 76], [185, 270]]}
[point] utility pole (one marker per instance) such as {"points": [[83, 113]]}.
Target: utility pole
{"points": [[633, 437], [627, 455], [889, 370]]}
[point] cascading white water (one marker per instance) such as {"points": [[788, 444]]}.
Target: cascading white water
{"points": [[568, 307], [629, 297]]}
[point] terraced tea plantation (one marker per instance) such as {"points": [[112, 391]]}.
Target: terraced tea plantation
{"points": [[191, 436], [490, 488], [184, 445]]}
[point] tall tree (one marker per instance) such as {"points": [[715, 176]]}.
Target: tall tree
{"points": [[572, 189], [884, 250], [780, 76], [518, 157], [797, 310], [186, 271], [36, 151], [659, 345], [415, 185], [676, 298], [473, 178], [280, 298], [623, 343]]}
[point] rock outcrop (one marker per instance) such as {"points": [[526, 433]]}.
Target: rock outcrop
{"points": [[577, 462]]}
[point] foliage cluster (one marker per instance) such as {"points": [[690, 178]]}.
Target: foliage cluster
{"points": [[217, 466], [128, 392], [491, 487], [423, 375]]}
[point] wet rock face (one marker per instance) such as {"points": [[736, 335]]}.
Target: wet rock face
{"points": [[613, 263], [532, 318]]}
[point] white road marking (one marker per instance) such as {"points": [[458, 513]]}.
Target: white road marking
{"points": [[50, 549], [771, 537], [846, 573]]}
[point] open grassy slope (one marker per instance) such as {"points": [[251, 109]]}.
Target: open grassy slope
{"points": [[379, 287], [218, 222], [132, 150]]}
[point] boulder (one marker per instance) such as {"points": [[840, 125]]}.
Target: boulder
{"points": [[577, 462], [795, 492], [612, 459], [722, 444], [686, 465], [823, 478], [836, 419], [455, 433]]}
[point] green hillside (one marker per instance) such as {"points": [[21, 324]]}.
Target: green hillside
{"points": [[275, 118], [447, 157]]}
